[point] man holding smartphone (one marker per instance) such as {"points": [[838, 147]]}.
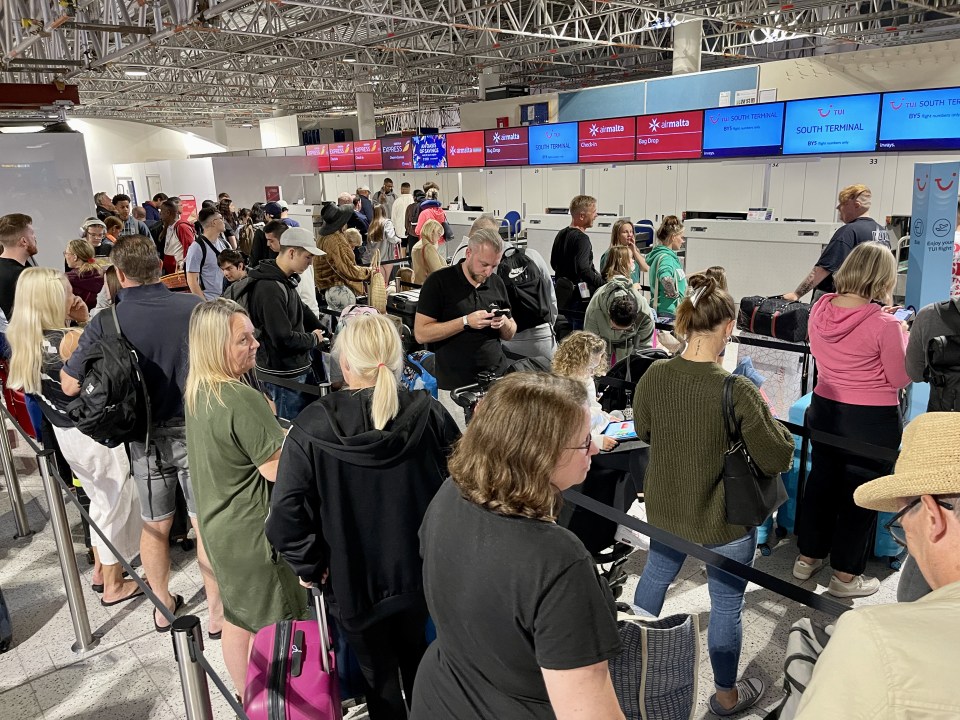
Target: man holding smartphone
{"points": [[463, 312]]}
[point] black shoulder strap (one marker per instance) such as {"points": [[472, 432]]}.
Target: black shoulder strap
{"points": [[950, 314], [729, 417], [111, 329]]}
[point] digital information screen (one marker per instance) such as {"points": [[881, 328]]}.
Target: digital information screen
{"points": [[397, 153], [429, 151], [920, 120], [506, 146], [465, 149], [743, 130], [366, 155], [323, 157], [831, 125], [607, 140], [670, 136], [341, 156], [553, 144]]}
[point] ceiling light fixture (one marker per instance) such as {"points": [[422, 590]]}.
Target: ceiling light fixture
{"points": [[350, 60], [136, 73]]}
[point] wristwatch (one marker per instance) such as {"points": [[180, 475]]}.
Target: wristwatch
{"points": [[466, 323]]}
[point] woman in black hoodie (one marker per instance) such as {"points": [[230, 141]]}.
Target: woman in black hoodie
{"points": [[356, 475]]}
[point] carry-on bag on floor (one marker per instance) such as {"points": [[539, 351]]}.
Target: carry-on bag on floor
{"points": [[6, 627], [292, 673], [774, 317]]}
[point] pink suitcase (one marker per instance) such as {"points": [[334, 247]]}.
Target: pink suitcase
{"points": [[292, 673]]}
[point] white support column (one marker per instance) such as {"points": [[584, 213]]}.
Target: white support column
{"points": [[366, 122], [220, 132], [687, 42]]}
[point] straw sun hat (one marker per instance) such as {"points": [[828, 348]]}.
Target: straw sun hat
{"points": [[929, 464]]}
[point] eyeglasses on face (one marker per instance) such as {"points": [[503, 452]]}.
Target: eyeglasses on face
{"points": [[585, 447], [894, 527]]}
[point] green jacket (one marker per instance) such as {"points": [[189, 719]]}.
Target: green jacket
{"points": [[620, 343], [664, 263]]}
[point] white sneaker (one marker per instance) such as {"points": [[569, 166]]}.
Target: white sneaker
{"points": [[803, 570], [860, 586]]}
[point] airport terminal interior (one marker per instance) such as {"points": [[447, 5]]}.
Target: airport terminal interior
{"points": [[755, 134]]}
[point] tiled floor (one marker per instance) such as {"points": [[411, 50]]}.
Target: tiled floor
{"points": [[132, 675]]}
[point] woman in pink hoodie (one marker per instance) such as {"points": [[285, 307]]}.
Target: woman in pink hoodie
{"points": [[860, 348]]}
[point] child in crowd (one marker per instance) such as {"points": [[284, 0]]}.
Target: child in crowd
{"points": [[582, 356], [114, 228]]}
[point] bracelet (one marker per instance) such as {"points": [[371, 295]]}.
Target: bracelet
{"points": [[466, 322]]}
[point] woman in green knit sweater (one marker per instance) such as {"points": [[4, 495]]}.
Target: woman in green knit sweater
{"points": [[678, 410]]}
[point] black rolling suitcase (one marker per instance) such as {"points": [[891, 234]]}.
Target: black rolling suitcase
{"points": [[181, 523], [403, 305]]}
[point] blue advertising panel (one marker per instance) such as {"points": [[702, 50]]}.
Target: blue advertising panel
{"points": [[553, 144], [743, 130], [920, 120], [429, 151], [847, 123]]}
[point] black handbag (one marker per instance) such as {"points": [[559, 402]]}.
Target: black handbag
{"points": [[750, 496], [774, 317]]}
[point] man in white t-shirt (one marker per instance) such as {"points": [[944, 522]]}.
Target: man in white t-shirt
{"points": [[398, 214]]}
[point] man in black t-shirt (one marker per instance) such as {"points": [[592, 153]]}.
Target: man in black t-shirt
{"points": [[454, 315], [19, 243], [572, 257], [858, 228]]}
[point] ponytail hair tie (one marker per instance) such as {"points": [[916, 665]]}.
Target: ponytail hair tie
{"points": [[380, 365], [697, 294]]}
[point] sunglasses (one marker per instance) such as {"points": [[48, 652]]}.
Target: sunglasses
{"points": [[896, 530]]}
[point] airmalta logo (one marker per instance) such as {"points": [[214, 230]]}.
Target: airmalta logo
{"points": [[497, 137], [601, 129], [654, 125]]}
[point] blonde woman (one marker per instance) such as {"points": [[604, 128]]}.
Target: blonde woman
{"points": [[668, 284], [525, 628], [861, 359], [582, 356], [36, 332], [425, 256], [624, 235], [618, 261], [382, 236], [233, 445], [85, 275], [358, 470]]}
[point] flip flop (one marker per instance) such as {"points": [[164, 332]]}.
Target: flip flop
{"points": [[177, 606], [98, 587], [137, 593]]}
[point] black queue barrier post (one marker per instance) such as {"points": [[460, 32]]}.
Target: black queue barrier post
{"points": [[187, 649], [68, 559], [13, 483]]}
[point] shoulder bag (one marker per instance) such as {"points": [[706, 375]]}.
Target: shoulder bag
{"points": [[750, 496]]}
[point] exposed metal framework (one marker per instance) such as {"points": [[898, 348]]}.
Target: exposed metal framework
{"points": [[183, 62]]}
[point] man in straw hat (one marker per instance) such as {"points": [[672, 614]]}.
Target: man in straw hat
{"points": [[901, 660]]}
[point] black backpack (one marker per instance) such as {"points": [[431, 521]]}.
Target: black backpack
{"points": [[113, 406], [526, 288], [942, 369]]}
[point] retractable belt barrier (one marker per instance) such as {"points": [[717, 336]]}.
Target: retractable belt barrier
{"points": [[319, 389], [774, 584], [67, 558]]}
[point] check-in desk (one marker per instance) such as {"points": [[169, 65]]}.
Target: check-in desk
{"points": [[460, 222], [761, 258], [543, 229]]}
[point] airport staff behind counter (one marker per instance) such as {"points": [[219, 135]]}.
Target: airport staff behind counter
{"points": [[853, 206]]}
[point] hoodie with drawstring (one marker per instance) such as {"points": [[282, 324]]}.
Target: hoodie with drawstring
{"points": [[620, 343], [351, 498], [665, 263], [860, 353]]}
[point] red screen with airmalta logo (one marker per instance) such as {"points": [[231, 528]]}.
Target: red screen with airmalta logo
{"points": [[465, 150], [607, 140], [341, 156], [397, 153], [506, 146], [670, 136], [323, 157], [366, 155]]}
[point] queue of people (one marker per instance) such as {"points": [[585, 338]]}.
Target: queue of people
{"points": [[402, 511]]}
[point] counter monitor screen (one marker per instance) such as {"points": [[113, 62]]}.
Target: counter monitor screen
{"points": [[465, 149], [506, 146], [743, 130], [920, 120], [553, 144], [366, 155], [397, 153], [842, 124], [429, 151], [670, 136], [341, 156], [322, 157], [607, 141]]}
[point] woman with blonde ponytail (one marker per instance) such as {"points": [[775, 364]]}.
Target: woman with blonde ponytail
{"points": [[358, 470]]}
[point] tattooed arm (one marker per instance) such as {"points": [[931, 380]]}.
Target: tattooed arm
{"points": [[817, 275]]}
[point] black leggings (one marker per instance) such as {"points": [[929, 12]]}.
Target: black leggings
{"points": [[830, 522], [389, 653]]}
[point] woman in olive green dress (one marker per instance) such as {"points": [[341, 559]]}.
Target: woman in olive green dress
{"points": [[233, 445]]}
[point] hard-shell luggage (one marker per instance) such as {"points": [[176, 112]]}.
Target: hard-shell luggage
{"points": [[292, 673], [774, 317]]}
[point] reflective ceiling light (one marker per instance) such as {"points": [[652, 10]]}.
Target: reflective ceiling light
{"points": [[135, 73]]}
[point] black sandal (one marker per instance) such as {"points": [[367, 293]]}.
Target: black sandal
{"points": [[177, 606]]}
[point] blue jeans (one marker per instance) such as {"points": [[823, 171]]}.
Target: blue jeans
{"points": [[290, 402], [725, 633]]}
